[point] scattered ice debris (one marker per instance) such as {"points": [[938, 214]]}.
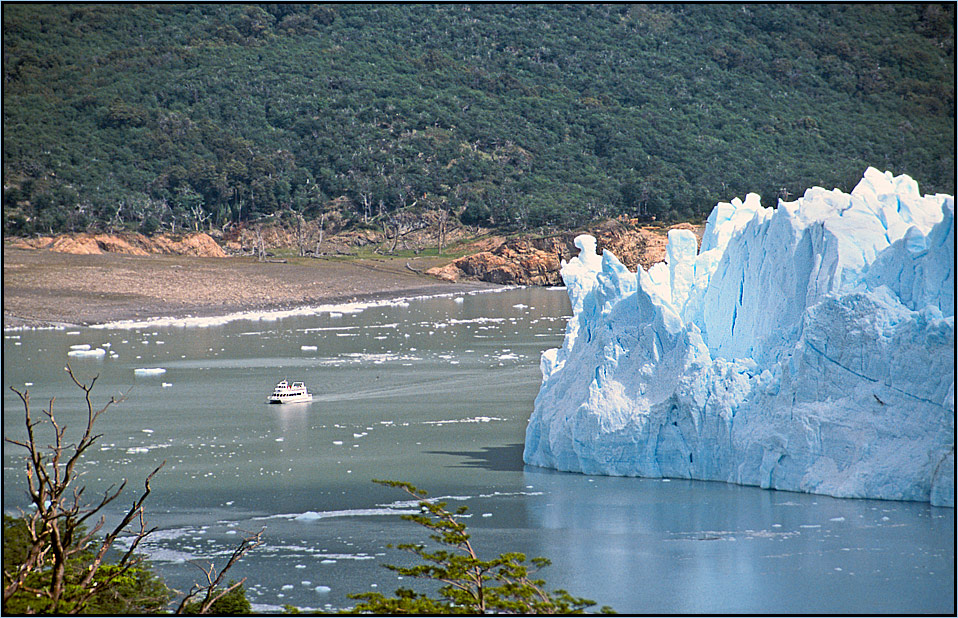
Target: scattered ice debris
{"points": [[317, 515], [474, 419]]}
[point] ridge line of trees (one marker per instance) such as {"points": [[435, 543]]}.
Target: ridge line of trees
{"points": [[191, 116]]}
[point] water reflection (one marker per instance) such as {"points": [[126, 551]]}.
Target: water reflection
{"points": [[694, 547]]}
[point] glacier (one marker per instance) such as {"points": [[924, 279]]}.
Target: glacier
{"points": [[808, 347]]}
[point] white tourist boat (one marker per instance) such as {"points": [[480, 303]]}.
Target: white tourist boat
{"points": [[290, 393]]}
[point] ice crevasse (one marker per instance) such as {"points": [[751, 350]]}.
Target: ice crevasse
{"points": [[809, 347]]}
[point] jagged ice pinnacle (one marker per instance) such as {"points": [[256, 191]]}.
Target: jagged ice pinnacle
{"points": [[808, 347]]}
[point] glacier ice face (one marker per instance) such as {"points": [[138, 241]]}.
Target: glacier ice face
{"points": [[808, 348]]}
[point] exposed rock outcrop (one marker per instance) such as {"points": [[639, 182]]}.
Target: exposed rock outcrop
{"points": [[517, 262], [536, 261]]}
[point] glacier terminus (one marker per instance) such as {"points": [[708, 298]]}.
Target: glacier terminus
{"points": [[808, 347]]}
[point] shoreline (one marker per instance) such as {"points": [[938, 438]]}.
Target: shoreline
{"points": [[43, 289]]}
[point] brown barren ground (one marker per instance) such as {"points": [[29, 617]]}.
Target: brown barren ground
{"points": [[44, 287]]}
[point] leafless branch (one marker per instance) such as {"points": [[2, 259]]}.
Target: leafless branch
{"points": [[212, 591]]}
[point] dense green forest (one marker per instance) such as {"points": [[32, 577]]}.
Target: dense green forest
{"points": [[165, 116]]}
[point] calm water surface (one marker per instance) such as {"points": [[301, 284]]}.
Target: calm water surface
{"points": [[437, 392]]}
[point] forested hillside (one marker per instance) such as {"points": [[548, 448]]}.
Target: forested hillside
{"points": [[171, 116]]}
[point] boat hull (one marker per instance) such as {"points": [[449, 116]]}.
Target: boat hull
{"points": [[295, 399]]}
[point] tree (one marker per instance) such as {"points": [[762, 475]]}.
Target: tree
{"points": [[136, 591], [56, 528], [54, 560], [232, 602], [211, 597], [470, 585]]}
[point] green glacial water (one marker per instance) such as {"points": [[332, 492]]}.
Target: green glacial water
{"points": [[437, 392]]}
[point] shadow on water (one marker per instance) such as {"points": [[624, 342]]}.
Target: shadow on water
{"points": [[506, 458]]}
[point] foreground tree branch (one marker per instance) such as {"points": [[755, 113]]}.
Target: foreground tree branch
{"points": [[470, 585], [212, 591], [61, 564], [57, 524]]}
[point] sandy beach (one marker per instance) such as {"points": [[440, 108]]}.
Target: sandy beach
{"points": [[47, 288]]}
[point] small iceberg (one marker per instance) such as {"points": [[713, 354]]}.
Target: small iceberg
{"points": [[81, 353], [149, 371]]}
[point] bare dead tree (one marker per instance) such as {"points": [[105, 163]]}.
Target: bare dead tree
{"points": [[259, 243], [303, 235], [443, 221], [212, 590], [57, 524], [200, 215], [322, 232]]}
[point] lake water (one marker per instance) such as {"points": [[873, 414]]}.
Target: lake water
{"points": [[437, 392]]}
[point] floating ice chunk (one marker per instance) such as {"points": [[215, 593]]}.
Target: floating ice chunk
{"points": [[308, 348], [81, 346], [84, 353], [149, 371], [166, 385], [808, 348], [322, 589]]}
